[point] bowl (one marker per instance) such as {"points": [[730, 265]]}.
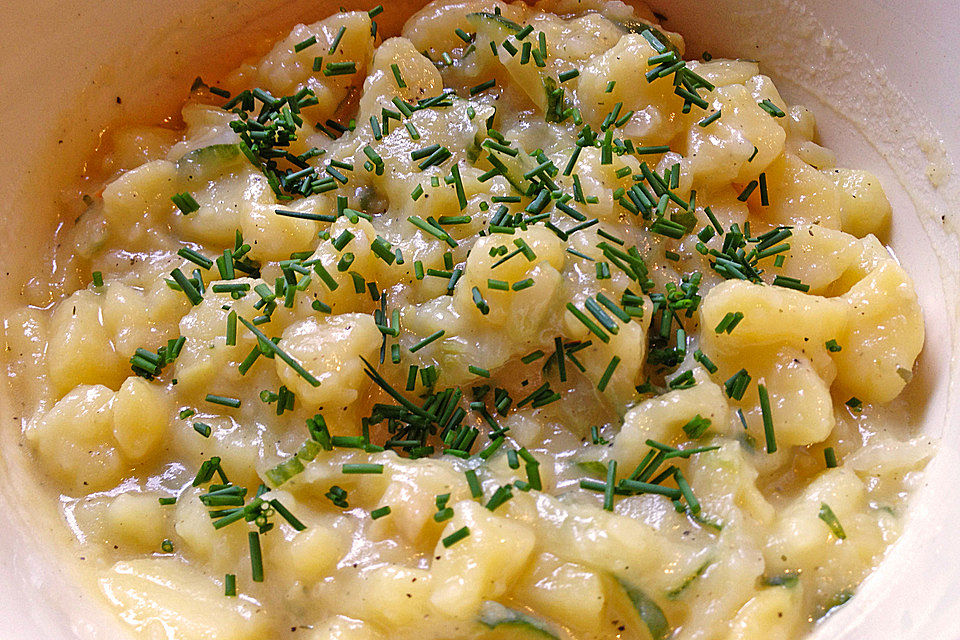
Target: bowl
{"points": [[880, 79]]}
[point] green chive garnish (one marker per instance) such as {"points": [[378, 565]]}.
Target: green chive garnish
{"points": [[767, 419], [830, 518], [456, 537]]}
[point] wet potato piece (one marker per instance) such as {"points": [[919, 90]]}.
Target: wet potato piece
{"points": [[473, 322]]}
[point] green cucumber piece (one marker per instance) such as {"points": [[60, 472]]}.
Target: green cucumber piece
{"points": [[493, 22], [207, 163], [593, 467], [505, 623], [648, 610]]}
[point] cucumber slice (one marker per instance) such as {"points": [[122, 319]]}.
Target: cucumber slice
{"points": [[838, 600], [292, 465], [675, 594], [788, 580], [648, 610], [593, 467], [493, 24], [503, 623], [207, 163]]}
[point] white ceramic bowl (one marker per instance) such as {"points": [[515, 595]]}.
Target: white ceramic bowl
{"points": [[880, 76]]}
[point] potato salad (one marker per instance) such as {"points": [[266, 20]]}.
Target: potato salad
{"points": [[523, 323]]}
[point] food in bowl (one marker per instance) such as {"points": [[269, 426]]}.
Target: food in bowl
{"points": [[519, 325]]}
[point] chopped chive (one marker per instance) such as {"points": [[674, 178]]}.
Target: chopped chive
{"points": [[309, 42], [185, 203], [97, 279], [432, 337], [256, 556], [608, 373], [286, 515], [568, 75], [710, 119], [456, 537], [767, 419], [790, 283], [376, 514], [188, 288], [458, 182], [230, 585], [483, 373], [474, 483], [764, 196], [687, 492], [336, 40], [483, 86], [275, 348], [223, 400], [339, 69], [768, 106], [498, 285], [196, 258], [830, 457], [830, 518], [587, 322], [359, 468], [396, 74], [855, 404], [652, 150], [609, 487], [748, 190], [531, 357], [202, 429], [832, 346]]}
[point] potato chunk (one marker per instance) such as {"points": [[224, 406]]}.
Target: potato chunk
{"points": [[330, 349]]}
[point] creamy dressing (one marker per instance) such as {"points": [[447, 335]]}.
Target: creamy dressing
{"points": [[753, 561]]}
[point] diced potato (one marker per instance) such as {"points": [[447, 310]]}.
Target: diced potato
{"points": [[73, 439], [566, 592], [885, 333], [205, 356], [167, 596], [772, 317], [800, 403], [284, 71], [411, 496], [223, 198], [311, 555], [654, 104], [798, 195], [141, 194], [721, 152], [518, 313], [800, 538], [421, 78], [772, 614], [141, 413], [194, 527], [344, 628], [133, 147], [80, 349], [393, 595], [864, 208], [819, 256], [662, 419], [482, 565], [135, 520], [331, 349]]}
